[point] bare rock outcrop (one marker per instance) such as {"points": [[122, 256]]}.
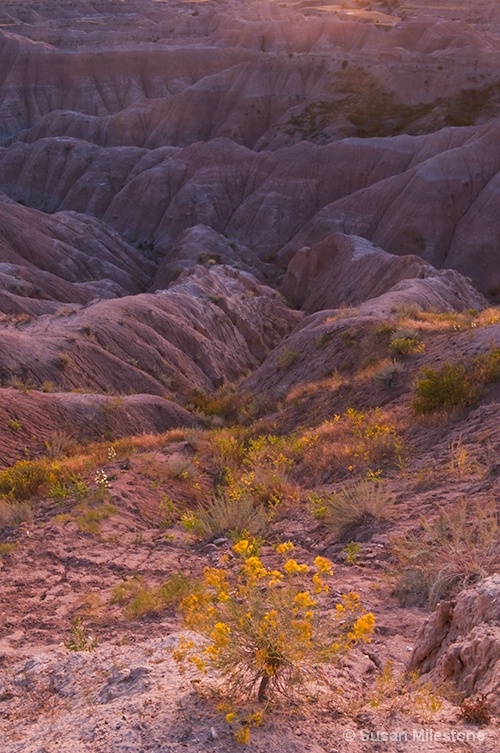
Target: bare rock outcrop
{"points": [[440, 290], [37, 79], [212, 326], [238, 102], [201, 245], [262, 200], [346, 270], [63, 258], [142, 119], [460, 642], [246, 76], [429, 195], [438, 208], [122, 366]]}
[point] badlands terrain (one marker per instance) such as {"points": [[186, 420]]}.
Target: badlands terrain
{"points": [[249, 276]]}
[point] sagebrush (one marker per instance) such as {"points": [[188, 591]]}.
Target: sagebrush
{"points": [[266, 632]]}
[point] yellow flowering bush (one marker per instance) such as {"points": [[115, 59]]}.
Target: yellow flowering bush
{"points": [[24, 479], [265, 631], [260, 468]]}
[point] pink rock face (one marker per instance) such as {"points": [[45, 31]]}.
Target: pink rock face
{"points": [[437, 208], [206, 330], [460, 642], [64, 257], [346, 270], [118, 113], [84, 417], [149, 350]]}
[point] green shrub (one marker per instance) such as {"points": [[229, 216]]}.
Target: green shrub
{"points": [[406, 346], [79, 640], [24, 479], [142, 602], [227, 402], [139, 599], [192, 524], [168, 510], [258, 468], [352, 550], [287, 357], [228, 447], [445, 388], [88, 520], [6, 549], [356, 442], [348, 338], [176, 588], [75, 487], [455, 385]]}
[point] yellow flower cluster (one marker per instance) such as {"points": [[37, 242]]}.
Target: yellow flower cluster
{"points": [[264, 630], [220, 634], [302, 599], [197, 610], [351, 601], [180, 654], [276, 577], [303, 630], [271, 619], [243, 735], [362, 628], [292, 567], [286, 546], [198, 663], [318, 584], [324, 565], [216, 579], [253, 569], [241, 547], [248, 547]]}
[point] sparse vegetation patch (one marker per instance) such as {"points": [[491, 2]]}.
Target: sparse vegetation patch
{"points": [[450, 553], [362, 502], [455, 385], [139, 599]]}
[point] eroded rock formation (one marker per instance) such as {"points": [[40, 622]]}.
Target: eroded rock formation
{"points": [[460, 642]]}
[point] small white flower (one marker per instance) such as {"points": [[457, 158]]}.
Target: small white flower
{"points": [[101, 480]]}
